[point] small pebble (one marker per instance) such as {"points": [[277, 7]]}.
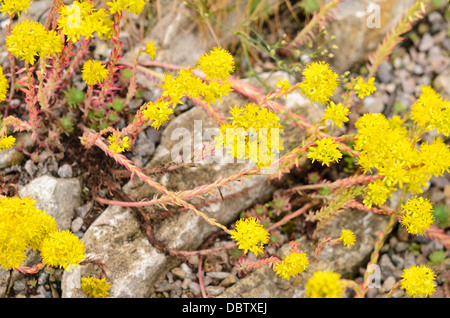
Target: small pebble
{"points": [[65, 171], [214, 290], [195, 288], [179, 272], [77, 224], [218, 275], [388, 284]]}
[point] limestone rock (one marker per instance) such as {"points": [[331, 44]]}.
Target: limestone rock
{"points": [[360, 25]]}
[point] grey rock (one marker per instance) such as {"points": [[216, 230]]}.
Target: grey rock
{"points": [[77, 224], [65, 171], [388, 284], [195, 288], [401, 246], [58, 197], [426, 42], [228, 281], [83, 210], [218, 275], [398, 261], [409, 258], [20, 286], [385, 72], [386, 265], [214, 290], [179, 272], [373, 104], [30, 167], [187, 270], [366, 27], [10, 157], [43, 293], [163, 286]]}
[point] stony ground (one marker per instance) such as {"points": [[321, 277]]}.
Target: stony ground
{"points": [[420, 60]]}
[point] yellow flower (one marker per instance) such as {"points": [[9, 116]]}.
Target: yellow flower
{"points": [[365, 89], [94, 287], [292, 265], [3, 85], [417, 215], [337, 113], [378, 192], [348, 238], [7, 142], [82, 19], [324, 284], [254, 133], [22, 226], [158, 113], [30, 38], [62, 248], [326, 151], [94, 72], [117, 6], [218, 64], [15, 6], [283, 85], [150, 49], [431, 111], [117, 145], [250, 235], [319, 82], [418, 281]]}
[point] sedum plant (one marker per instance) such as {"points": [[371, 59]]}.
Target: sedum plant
{"points": [[389, 152]]}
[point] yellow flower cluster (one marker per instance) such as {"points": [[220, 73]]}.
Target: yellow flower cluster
{"points": [[7, 142], [430, 111], [324, 284], [94, 72], [347, 237], [385, 145], [94, 287], [62, 248], [364, 89], [338, 113], [82, 19], [3, 85], [326, 151], [23, 226], [319, 82], [117, 6], [157, 112], [417, 215], [254, 133], [292, 264], [250, 235], [418, 281], [117, 145], [30, 38], [217, 66], [14, 6]]}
